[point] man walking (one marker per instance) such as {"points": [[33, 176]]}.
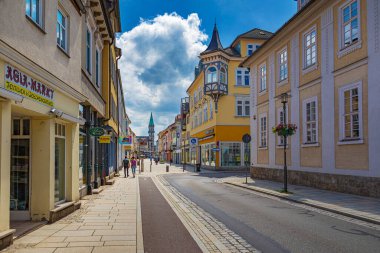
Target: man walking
{"points": [[126, 167]]}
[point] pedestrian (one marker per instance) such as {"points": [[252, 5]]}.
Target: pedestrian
{"points": [[126, 166], [133, 166]]}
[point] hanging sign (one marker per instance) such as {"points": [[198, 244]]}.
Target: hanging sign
{"points": [[26, 86], [105, 139], [246, 138], [96, 131], [193, 141], [125, 140]]}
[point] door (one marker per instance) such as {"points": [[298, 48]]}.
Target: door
{"points": [[20, 170]]}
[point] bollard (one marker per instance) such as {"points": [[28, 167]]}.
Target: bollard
{"points": [[167, 168]]}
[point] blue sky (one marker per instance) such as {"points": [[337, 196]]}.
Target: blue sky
{"points": [[160, 48]]}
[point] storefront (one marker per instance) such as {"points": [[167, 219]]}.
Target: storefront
{"points": [[39, 145]]}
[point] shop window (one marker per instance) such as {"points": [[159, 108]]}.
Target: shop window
{"points": [[60, 163], [208, 154], [230, 154]]}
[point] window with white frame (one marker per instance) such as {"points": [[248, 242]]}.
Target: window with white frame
{"points": [[242, 77], [350, 23], [88, 50], [98, 63], [350, 103], [211, 75], [205, 113], [310, 48], [310, 120], [211, 111], [242, 106], [62, 22], [283, 65], [223, 76], [34, 10], [251, 48], [280, 120], [263, 78], [263, 131]]}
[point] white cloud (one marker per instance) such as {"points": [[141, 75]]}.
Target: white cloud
{"points": [[157, 66]]}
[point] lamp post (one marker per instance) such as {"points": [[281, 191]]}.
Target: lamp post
{"points": [[284, 101]]}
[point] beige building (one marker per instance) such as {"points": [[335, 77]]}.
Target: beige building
{"points": [[40, 92], [327, 59]]}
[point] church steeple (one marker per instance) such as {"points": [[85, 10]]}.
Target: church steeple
{"points": [[151, 123], [215, 43]]}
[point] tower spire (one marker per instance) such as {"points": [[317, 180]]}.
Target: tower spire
{"points": [[215, 43], [151, 122]]}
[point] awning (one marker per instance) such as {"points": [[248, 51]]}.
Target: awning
{"points": [[10, 95]]}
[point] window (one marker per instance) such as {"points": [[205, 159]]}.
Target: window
{"points": [[97, 67], [280, 120], [252, 48], [60, 163], [211, 111], [88, 50], [205, 114], [310, 48], [62, 30], [242, 106], [283, 65], [242, 77], [33, 9], [230, 154], [263, 131], [350, 23], [212, 75], [310, 119], [223, 76], [350, 102], [263, 78]]}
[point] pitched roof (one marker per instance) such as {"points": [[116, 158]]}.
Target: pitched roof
{"points": [[215, 43], [151, 123], [255, 33]]}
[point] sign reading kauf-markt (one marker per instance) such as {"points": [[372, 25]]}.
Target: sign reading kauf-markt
{"points": [[26, 86]]}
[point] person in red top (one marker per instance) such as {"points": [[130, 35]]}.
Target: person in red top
{"points": [[133, 166]]}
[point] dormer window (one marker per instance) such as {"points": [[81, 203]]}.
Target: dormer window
{"points": [[302, 3], [212, 75]]}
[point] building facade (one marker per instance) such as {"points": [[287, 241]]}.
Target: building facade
{"points": [[39, 109], [326, 58], [219, 102]]}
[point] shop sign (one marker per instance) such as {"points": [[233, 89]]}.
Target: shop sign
{"points": [[210, 131], [125, 140], [246, 138], [105, 139], [127, 148], [216, 149], [193, 141], [20, 83], [96, 131]]}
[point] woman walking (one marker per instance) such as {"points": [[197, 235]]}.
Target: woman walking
{"points": [[133, 166]]}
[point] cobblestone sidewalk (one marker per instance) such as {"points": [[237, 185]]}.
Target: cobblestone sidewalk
{"points": [[107, 222], [363, 208], [210, 234]]}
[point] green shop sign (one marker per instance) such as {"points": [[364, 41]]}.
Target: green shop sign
{"points": [[97, 131]]}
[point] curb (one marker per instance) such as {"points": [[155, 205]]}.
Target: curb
{"points": [[271, 193]]}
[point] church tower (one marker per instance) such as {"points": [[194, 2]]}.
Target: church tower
{"points": [[151, 133]]}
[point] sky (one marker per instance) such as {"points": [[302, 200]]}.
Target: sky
{"points": [[161, 41]]}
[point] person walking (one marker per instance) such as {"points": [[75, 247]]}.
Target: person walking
{"points": [[133, 165], [126, 166]]}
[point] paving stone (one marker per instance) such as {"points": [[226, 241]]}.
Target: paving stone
{"points": [[74, 250], [75, 233], [51, 245], [83, 239], [85, 244], [115, 249]]}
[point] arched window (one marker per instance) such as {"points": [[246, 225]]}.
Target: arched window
{"points": [[211, 75], [223, 76]]}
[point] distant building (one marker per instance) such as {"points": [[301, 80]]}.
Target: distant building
{"points": [[151, 134]]}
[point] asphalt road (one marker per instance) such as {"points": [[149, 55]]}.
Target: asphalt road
{"points": [[271, 225], [163, 232]]}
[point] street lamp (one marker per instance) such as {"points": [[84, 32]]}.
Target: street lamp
{"points": [[284, 101]]}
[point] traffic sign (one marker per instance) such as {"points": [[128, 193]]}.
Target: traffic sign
{"points": [[96, 131], [246, 138], [193, 141]]}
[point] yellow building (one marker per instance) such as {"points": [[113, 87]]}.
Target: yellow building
{"points": [[39, 110], [219, 103], [327, 59]]}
